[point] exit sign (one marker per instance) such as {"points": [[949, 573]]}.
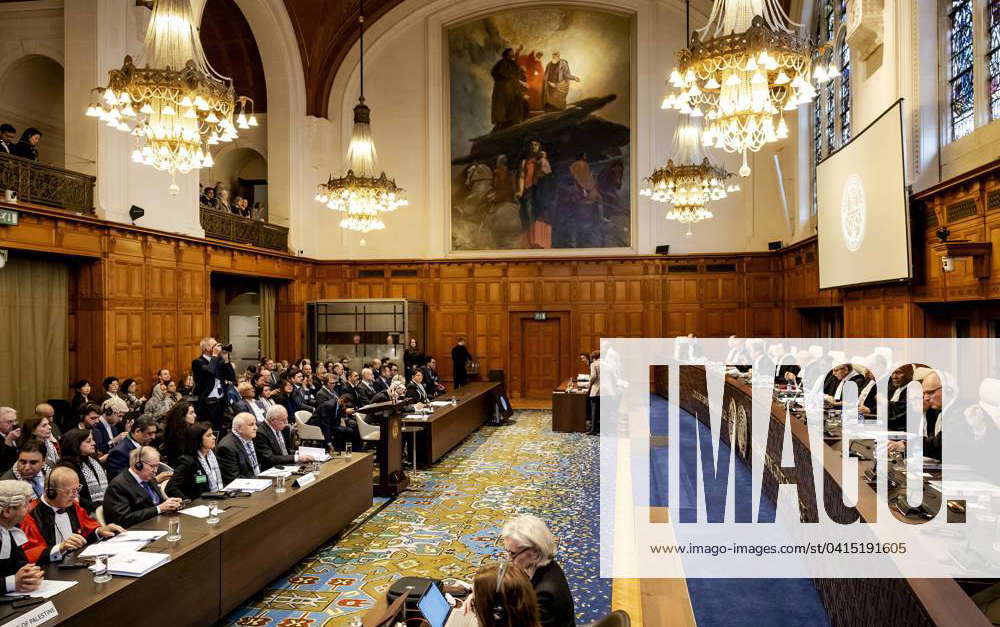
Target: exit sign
{"points": [[8, 217], [539, 315]]}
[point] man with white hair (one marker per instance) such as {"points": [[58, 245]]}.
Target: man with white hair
{"points": [[237, 456], [18, 574], [134, 495], [10, 432], [529, 544], [273, 441]]}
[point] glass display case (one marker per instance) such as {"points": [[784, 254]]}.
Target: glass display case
{"points": [[362, 330]]}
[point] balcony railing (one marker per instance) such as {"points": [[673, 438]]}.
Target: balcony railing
{"points": [[234, 228], [47, 185]]}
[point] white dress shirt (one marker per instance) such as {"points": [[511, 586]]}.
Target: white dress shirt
{"points": [[64, 529]]}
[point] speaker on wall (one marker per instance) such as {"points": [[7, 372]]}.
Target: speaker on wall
{"points": [[776, 245], [663, 249]]}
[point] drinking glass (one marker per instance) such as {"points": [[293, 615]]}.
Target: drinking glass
{"points": [[174, 528], [100, 570], [348, 448], [279, 484], [213, 514]]}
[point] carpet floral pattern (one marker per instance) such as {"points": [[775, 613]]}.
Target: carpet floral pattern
{"points": [[449, 522]]}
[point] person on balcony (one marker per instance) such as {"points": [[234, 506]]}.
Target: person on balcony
{"points": [[7, 134], [28, 146]]}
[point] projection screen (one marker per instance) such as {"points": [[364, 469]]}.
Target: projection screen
{"points": [[863, 217]]}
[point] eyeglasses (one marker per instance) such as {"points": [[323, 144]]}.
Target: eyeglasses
{"points": [[513, 554]]}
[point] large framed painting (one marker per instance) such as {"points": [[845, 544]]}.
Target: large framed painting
{"points": [[540, 109]]}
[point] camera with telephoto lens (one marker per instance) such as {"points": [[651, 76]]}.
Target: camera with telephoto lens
{"points": [[227, 348]]}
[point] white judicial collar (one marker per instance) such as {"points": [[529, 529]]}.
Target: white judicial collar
{"points": [[5, 541]]}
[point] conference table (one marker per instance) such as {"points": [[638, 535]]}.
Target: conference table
{"points": [[215, 568], [569, 408], [903, 601], [450, 424]]}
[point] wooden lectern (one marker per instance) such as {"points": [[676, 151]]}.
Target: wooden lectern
{"points": [[391, 478]]}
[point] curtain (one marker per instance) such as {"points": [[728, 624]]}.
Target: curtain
{"points": [[34, 343], [268, 312]]}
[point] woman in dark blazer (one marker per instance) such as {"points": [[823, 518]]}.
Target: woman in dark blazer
{"points": [[78, 452], [28, 146], [197, 470]]}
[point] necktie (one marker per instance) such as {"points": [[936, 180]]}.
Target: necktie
{"points": [[281, 442], [151, 492], [252, 455], [61, 510], [36, 484]]}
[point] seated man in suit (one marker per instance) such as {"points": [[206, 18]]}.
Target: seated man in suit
{"points": [[432, 382], [415, 390], [108, 431], [10, 433], [236, 453], [134, 495], [383, 380], [247, 402], [56, 524], [30, 466], [833, 387], [273, 441], [351, 388], [329, 388], [18, 575], [142, 433], [337, 423], [365, 391]]}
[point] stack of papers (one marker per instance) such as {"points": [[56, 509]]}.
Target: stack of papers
{"points": [[315, 452], [440, 403], [248, 485], [198, 511], [50, 588], [112, 548], [136, 564], [136, 536], [415, 417], [277, 471]]}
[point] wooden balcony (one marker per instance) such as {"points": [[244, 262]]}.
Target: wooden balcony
{"points": [[233, 228], [47, 185]]}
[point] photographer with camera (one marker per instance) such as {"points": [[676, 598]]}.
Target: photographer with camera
{"points": [[212, 371]]}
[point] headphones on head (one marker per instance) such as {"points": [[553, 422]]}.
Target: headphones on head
{"points": [[139, 465], [499, 609], [50, 491]]}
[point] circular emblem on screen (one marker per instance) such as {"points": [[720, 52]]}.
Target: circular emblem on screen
{"points": [[853, 213]]}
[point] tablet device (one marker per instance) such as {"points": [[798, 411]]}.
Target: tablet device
{"points": [[434, 607]]}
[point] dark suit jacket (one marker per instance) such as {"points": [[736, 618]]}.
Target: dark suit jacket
{"points": [[381, 385], [303, 399], [327, 418], [242, 406], [324, 394], [205, 373], [126, 502], [364, 394], [555, 601], [8, 457], [101, 440], [268, 450], [12, 563], [189, 480], [416, 393], [233, 460], [118, 457]]}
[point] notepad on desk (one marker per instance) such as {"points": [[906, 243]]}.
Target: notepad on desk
{"points": [[440, 403], [277, 471], [136, 564], [198, 511], [248, 485], [415, 417], [135, 536], [315, 452], [50, 588], [113, 548]]}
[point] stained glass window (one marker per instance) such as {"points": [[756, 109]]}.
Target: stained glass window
{"points": [[993, 57], [845, 93], [960, 75]]}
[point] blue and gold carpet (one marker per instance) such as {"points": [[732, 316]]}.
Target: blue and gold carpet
{"points": [[449, 522]]}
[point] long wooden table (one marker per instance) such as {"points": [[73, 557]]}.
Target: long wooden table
{"points": [[905, 601], [214, 568], [448, 426]]}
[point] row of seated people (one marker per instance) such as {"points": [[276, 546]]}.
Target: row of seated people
{"points": [[218, 198], [26, 147], [813, 370]]}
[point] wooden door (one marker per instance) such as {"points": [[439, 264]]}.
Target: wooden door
{"points": [[541, 357]]}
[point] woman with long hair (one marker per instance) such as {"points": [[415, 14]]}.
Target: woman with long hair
{"points": [[129, 393], [78, 450], [27, 147], [40, 428], [502, 596], [285, 396], [197, 470], [175, 427], [413, 358]]}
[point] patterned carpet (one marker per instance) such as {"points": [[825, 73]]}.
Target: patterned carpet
{"points": [[449, 522]]}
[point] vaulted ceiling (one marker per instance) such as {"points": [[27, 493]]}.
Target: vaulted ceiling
{"points": [[232, 50]]}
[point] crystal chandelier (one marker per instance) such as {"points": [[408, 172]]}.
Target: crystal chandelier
{"points": [[359, 194], [742, 72], [692, 182], [176, 106]]}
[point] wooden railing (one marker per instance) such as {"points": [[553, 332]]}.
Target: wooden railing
{"points": [[234, 228], [47, 185]]}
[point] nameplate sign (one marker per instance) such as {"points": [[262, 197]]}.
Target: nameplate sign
{"points": [[8, 217], [35, 616], [305, 480]]}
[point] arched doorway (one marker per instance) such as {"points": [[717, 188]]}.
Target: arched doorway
{"points": [[32, 96]]}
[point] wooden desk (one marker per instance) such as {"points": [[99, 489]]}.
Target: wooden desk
{"points": [[448, 426], [569, 409], [214, 568], [911, 602]]}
